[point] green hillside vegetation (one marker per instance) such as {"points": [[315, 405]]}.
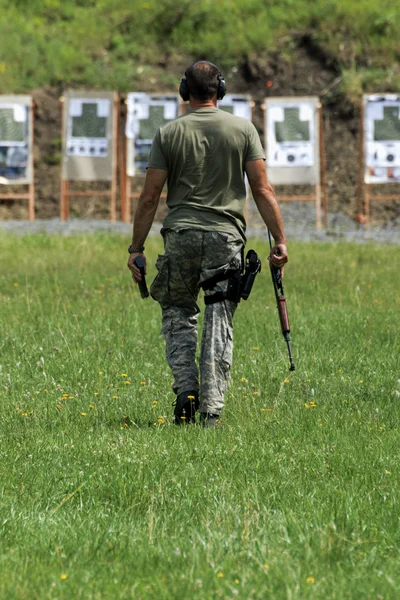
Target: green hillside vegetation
{"points": [[118, 45]]}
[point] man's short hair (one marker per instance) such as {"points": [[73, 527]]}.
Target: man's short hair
{"points": [[202, 80]]}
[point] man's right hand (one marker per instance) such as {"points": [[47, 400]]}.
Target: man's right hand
{"points": [[278, 257], [136, 275]]}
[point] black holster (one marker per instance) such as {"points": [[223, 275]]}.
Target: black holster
{"points": [[239, 284]]}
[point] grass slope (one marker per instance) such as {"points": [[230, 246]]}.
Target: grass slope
{"points": [[295, 496], [121, 45]]}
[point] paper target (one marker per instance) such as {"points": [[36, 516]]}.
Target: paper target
{"points": [[89, 135], [290, 135], [292, 140], [382, 138], [146, 113], [87, 127], [14, 142]]}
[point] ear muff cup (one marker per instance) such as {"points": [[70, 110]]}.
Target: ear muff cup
{"points": [[221, 87], [184, 90]]}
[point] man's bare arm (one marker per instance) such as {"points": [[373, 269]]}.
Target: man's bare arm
{"points": [[268, 207], [147, 205], [145, 212]]}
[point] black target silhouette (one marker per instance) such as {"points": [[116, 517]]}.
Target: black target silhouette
{"points": [[388, 128], [148, 127], [292, 129], [89, 125], [10, 130]]}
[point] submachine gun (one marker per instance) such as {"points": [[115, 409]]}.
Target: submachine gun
{"points": [[281, 306]]}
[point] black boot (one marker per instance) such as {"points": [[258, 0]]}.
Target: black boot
{"points": [[186, 405]]}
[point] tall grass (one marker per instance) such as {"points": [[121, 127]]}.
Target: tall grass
{"points": [[295, 496]]}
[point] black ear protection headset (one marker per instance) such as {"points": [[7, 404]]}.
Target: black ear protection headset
{"points": [[221, 91]]}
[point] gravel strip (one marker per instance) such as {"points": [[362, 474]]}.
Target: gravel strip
{"points": [[299, 225]]}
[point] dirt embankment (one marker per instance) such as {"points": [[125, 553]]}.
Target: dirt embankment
{"points": [[310, 72]]}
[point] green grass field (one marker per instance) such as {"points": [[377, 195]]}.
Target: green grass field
{"points": [[295, 496]]}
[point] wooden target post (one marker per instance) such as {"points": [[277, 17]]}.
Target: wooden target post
{"points": [[84, 167], [366, 171], [23, 102], [314, 174]]}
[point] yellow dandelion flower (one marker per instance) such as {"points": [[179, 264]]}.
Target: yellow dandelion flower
{"points": [[313, 404], [83, 414], [220, 574], [142, 383], [263, 409], [95, 393], [191, 397], [63, 576], [127, 383], [115, 397], [255, 393], [244, 379], [124, 375], [265, 567], [361, 381], [58, 406], [310, 580], [287, 380], [154, 403], [161, 421], [91, 405], [237, 581], [101, 373], [320, 425]]}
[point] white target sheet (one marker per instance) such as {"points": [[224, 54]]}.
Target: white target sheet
{"points": [[14, 142], [87, 133], [382, 138], [290, 134]]}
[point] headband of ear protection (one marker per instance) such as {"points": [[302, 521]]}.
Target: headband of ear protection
{"points": [[221, 91]]}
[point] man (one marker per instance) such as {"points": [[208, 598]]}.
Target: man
{"points": [[203, 154]]}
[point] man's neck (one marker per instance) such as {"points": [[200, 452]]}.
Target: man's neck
{"points": [[194, 103]]}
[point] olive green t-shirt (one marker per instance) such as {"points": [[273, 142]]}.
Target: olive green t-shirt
{"points": [[205, 152]]}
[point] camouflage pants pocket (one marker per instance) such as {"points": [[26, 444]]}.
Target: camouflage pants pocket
{"points": [[169, 287], [159, 289]]}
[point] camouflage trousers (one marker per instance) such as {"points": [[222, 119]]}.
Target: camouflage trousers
{"points": [[192, 257]]}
